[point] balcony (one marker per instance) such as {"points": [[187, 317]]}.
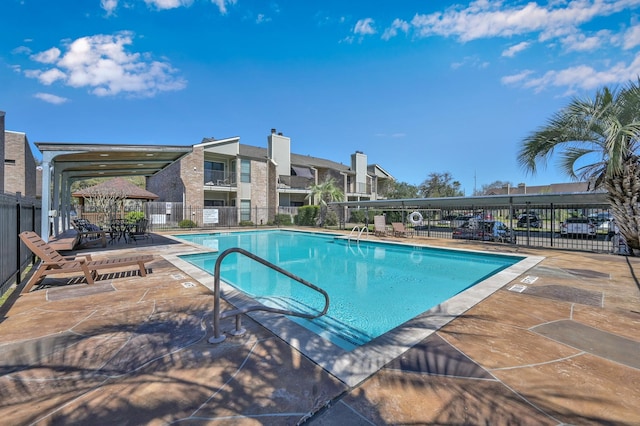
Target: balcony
{"points": [[294, 182], [358, 188], [219, 178]]}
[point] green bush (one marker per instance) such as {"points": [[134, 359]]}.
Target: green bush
{"points": [[331, 219], [357, 216], [308, 215], [187, 223], [282, 219], [133, 217], [246, 223]]}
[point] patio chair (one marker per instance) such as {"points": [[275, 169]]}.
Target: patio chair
{"points": [[140, 230], [52, 263], [379, 226], [400, 231], [90, 234]]}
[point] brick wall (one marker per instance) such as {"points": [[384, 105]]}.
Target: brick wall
{"points": [[2, 114], [19, 165]]}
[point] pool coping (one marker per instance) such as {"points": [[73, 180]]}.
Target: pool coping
{"points": [[353, 367]]}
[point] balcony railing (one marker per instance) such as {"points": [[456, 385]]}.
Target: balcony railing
{"points": [[294, 182], [219, 178], [359, 188]]}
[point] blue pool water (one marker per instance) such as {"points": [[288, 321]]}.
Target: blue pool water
{"points": [[373, 287]]}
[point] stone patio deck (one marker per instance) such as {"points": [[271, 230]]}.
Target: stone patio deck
{"points": [[563, 349]]}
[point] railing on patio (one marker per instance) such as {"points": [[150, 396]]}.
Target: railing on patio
{"points": [[294, 182], [239, 330], [219, 178]]}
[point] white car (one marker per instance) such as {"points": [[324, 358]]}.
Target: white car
{"points": [[578, 227]]}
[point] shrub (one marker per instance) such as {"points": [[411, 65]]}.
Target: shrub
{"points": [[308, 215], [282, 219], [357, 216], [331, 219], [246, 223], [187, 223], [133, 217]]}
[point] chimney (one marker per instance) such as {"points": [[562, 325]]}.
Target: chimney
{"points": [[273, 131]]}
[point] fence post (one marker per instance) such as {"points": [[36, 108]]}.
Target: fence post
{"points": [[553, 223], [19, 229]]}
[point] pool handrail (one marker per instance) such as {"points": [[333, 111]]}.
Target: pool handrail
{"points": [[217, 316], [359, 230]]}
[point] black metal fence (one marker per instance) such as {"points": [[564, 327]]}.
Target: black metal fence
{"points": [[532, 225], [17, 214]]}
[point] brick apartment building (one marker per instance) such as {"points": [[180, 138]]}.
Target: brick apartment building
{"points": [[19, 172], [226, 173]]}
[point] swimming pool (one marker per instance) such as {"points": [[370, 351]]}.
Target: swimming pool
{"points": [[373, 287]]}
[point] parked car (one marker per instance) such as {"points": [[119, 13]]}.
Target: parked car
{"points": [[528, 220], [459, 221], [578, 227], [600, 218], [484, 230]]}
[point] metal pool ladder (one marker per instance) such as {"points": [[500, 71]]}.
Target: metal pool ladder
{"points": [[239, 331], [359, 230]]}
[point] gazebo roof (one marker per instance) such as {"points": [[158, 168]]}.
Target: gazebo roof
{"points": [[117, 186]]}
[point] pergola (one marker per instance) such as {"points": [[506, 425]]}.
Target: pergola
{"points": [[64, 163]]}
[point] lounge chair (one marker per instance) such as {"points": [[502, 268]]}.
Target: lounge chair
{"points": [[400, 231], [53, 263], [379, 226]]}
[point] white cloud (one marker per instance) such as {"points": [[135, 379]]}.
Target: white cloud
{"points": [[48, 56], [21, 50], [516, 78], [484, 18], [631, 37], [517, 48], [392, 31], [52, 99], [472, 61], [102, 64], [222, 5], [262, 18], [583, 77], [168, 4], [109, 6], [364, 27], [582, 43]]}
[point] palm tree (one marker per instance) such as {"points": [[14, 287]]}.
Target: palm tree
{"points": [[597, 141], [324, 193]]}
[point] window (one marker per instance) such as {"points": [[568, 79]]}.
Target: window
{"points": [[245, 210], [7, 161], [245, 171], [213, 172], [214, 203]]}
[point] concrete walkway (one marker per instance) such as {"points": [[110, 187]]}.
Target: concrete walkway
{"points": [[559, 344]]}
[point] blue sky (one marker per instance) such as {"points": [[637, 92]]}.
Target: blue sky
{"points": [[419, 86]]}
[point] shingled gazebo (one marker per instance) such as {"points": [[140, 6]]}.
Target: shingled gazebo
{"points": [[119, 188]]}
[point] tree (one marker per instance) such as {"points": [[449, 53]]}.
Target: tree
{"points": [[488, 188], [440, 185], [324, 193], [106, 202], [597, 141], [399, 190]]}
